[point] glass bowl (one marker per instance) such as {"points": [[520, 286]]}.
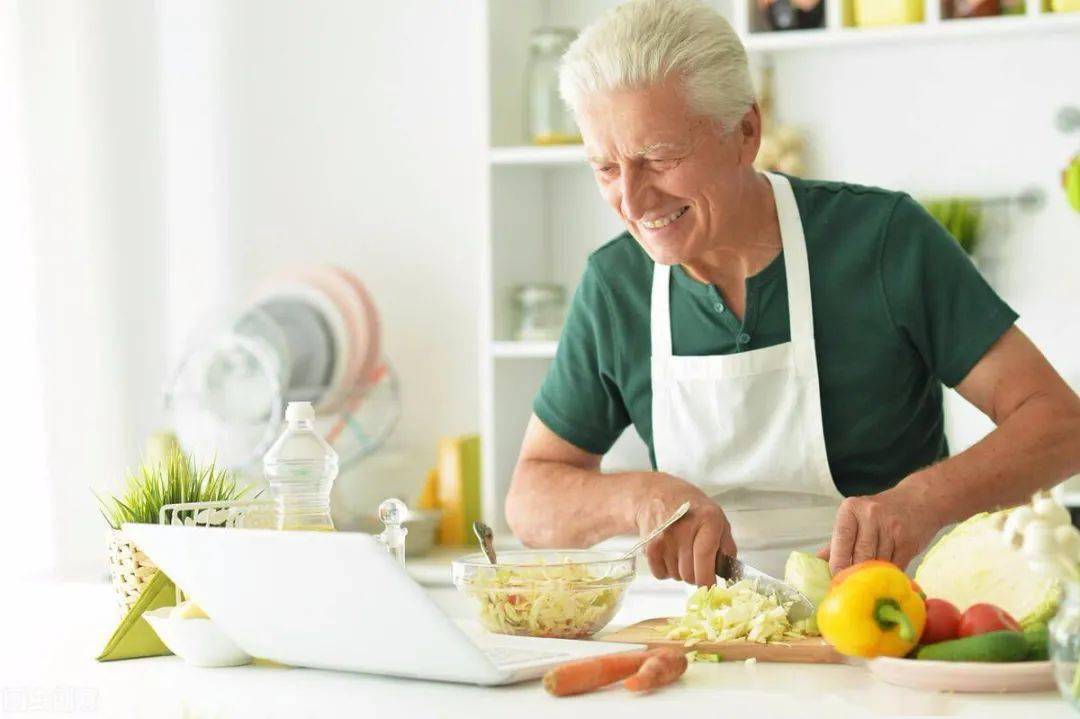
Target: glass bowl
{"points": [[559, 593]]}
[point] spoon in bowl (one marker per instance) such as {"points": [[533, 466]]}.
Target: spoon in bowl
{"points": [[675, 517], [486, 537]]}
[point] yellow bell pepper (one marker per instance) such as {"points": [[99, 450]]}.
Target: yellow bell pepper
{"points": [[875, 610]]}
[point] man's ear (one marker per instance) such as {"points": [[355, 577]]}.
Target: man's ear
{"points": [[750, 134]]}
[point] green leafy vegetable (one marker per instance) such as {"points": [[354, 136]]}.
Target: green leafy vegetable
{"points": [[811, 576], [972, 564]]}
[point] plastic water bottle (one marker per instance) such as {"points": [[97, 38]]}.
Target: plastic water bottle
{"points": [[300, 468]]}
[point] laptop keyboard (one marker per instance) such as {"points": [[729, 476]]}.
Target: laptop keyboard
{"points": [[509, 656]]}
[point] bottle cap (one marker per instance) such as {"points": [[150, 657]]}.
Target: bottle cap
{"points": [[299, 412]]}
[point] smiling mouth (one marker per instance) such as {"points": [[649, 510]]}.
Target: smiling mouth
{"points": [[664, 221]]}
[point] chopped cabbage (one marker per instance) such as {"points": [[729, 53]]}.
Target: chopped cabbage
{"points": [[733, 611], [707, 657], [558, 600]]}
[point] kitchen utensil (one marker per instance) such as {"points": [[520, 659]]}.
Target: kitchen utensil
{"points": [[733, 570], [965, 676], [565, 594], [487, 538], [812, 650], [362, 330], [293, 291], [675, 517], [224, 396], [369, 418], [197, 641], [311, 335]]}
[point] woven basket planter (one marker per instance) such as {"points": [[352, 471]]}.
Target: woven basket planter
{"points": [[131, 570]]}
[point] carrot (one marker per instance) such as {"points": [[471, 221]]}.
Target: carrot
{"points": [[585, 675], [660, 669]]}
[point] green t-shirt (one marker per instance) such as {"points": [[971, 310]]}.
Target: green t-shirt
{"points": [[899, 309]]}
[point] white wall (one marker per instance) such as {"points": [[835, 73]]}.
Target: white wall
{"points": [[355, 135], [178, 152]]}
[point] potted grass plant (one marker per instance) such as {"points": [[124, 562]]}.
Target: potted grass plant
{"points": [[170, 478]]}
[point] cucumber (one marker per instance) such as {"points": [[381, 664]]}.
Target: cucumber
{"points": [[1038, 641], [1003, 646]]}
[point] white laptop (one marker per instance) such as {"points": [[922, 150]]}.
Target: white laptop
{"points": [[338, 600]]}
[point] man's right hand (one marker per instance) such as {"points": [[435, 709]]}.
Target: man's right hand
{"points": [[687, 549]]}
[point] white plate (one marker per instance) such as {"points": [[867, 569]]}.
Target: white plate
{"points": [[965, 676], [197, 641]]}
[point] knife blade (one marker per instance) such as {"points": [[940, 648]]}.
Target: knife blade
{"points": [[733, 570]]}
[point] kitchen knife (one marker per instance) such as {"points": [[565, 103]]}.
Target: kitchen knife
{"points": [[733, 570]]}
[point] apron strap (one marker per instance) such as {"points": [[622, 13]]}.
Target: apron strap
{"points": [[660, 312], [797, 275]]}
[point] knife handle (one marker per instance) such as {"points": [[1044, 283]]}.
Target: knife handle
{"points": [[724, 567]]}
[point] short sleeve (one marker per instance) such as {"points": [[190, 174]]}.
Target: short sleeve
{"points": [[935, 295], [579, 399]]}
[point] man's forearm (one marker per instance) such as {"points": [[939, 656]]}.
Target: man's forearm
{"points": [[554, 504], [1036, 447]]}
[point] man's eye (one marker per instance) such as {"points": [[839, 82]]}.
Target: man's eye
{"points": [[606, 169], [663, 163]]}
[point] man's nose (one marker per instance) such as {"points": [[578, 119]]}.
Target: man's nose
{"points": [[635, 194]]}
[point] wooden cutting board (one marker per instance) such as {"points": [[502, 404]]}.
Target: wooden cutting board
{"points": [[813, 650]]}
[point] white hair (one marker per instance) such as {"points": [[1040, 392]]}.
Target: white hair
{"points": [[643, 42]]}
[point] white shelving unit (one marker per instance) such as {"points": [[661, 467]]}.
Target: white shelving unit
{"points": [[545, 215], [928, 31]]}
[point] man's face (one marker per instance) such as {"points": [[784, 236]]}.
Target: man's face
{"points": [[674, 178]]}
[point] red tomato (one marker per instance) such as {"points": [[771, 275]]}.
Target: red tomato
{"points": [[942, 622], [983, 618]]}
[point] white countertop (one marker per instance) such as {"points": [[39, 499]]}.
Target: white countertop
{"points": [[50, 632]]}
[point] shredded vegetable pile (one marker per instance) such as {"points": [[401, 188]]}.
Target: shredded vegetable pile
{"points": [[734, 611], [563, 601]]}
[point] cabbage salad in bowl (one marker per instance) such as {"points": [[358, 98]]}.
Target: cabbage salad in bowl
{"points": [[566, 594]]}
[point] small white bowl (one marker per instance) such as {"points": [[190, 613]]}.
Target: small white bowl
{"points": [[196, 641]]}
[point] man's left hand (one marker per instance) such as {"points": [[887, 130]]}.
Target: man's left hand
{"points": [[891, 525]]}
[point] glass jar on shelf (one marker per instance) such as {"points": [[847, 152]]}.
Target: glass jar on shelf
{"points": [[540, 310], [793, 14], [547, 119]]}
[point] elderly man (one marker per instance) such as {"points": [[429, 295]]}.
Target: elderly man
{"points": [[779, 343]]}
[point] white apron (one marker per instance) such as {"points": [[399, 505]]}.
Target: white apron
{"points": [[746, 427]]}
